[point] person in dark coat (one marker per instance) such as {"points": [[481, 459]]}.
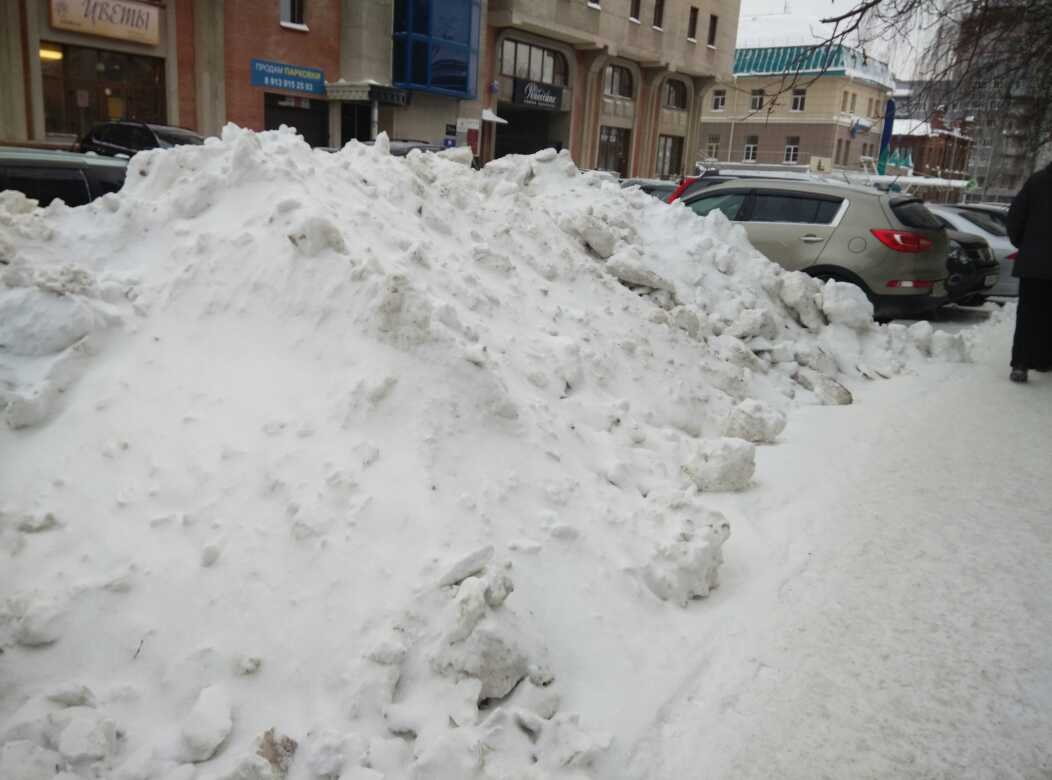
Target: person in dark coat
{"points": [[1030, 229]]}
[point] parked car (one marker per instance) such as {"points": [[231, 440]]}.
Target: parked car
{"points": [[889, 245], [659, 188], [127, 138], [996, 236], [690, 185], [972, 268], [45, 175], [995, 211]]}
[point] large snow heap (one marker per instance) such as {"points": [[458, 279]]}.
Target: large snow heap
{"points": [[332, 465]]}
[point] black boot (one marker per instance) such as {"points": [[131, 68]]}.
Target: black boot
{"points": [[1018, 375]]}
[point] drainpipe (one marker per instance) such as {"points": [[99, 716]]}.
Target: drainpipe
{"points": [[734, 113], [374, 119]]}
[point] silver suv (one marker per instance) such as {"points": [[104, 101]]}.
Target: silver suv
{"points": [[889, 245]]}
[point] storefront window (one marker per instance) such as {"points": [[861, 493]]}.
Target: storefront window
{"points": [[523, 61], [436, 45], [614, 145], [84, 86], [675, 94], [669, 156]]}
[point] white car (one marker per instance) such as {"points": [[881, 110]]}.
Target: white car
{"points": [[996, 236]]}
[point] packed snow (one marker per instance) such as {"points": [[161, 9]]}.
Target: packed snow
{"points": [[342, 465]]}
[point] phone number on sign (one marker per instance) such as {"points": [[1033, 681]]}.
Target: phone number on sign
{"points": [[303, 86]]}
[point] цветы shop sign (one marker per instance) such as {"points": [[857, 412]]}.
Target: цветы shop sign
{"points": [[122, 19]]}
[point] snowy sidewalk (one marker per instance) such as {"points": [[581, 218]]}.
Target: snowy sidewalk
{"points": [[912, 637]]}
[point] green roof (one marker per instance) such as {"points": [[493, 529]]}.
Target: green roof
{"points": [[790, 59]]}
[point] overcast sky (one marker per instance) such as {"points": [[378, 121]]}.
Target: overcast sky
{"points": [[763, 22]]}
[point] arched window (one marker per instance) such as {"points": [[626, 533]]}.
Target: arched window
{"points": [[618, 81], [675, 94], [533, 63]]}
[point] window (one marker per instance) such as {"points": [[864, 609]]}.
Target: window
{"points": [[292, 11], [854, 97], [792, 149], [843, 102], [984, 222], [799, 99], [752, 144], [675, 95], [713, 23], [436, 47], [839, 151], [779, 207], [523, 61], [659, 13], [692, 25], [669, 156], [633, 12], [719, 99], [712, 148], [756, 100], [47, 184], [729, 203], [847, 152], [618, 81], [869, 107], [614, 146]]}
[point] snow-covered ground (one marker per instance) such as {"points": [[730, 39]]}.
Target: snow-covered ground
{"points": [[345, 466]]}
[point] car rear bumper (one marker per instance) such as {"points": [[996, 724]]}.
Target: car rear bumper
{"points": [[890, 307], [982, 281]]}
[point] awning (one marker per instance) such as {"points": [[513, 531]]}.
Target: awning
{"points": [[489, 116]]}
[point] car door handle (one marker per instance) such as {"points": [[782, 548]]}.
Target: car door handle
{"points": [[810, 238]]}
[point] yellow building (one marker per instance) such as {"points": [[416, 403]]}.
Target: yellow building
{"points": [[796, 105]]}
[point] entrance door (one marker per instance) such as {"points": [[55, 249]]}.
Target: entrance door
{"points": [[356, 122], [527, 131], [614, 146], [309, 117]]}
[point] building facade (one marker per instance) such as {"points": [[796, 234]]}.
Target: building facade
{"points": [[616, 82], [796, 105], [935, 147]]}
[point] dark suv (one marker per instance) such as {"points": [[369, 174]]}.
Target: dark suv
{"points": [[45, 175], [113, 138]]}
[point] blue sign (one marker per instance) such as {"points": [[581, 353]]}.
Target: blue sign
{"points": [[294, 78], [449, 143]]}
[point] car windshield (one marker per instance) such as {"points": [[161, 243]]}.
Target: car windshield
{"points": [[984, 221], [178, 137]]}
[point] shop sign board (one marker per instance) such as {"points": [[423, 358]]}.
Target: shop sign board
{"points": [[465, 123], [533, 93], [294, 78], [123, 19]]}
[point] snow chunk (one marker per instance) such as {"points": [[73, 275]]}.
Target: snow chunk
{"points": [[754, 421], [467, 566], [686, 564], [82, 734], [207, 726], [38, 618], [846, 304], [827, 390], [722, 464], [23, 760]]}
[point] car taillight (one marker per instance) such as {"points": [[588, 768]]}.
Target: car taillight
{"points": [[1012, 256], [911, 284], [902, 240]]}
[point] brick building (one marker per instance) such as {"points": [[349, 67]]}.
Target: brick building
{"points": [[937, 148], [617, 82]]}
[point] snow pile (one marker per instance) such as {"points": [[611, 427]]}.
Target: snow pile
{"points": [[261, 406]]}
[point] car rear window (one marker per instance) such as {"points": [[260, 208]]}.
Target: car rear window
{"points": [[176, 138], [983, 221], [779, 207], [47, 184], [912, 212]]}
